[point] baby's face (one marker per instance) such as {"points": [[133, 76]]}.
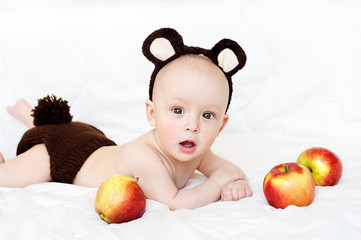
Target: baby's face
{"points": [[190, 97]]}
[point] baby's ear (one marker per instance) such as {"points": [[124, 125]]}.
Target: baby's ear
{"points": [[162, 44], [149, 108], [225, 121], [229, 56]]}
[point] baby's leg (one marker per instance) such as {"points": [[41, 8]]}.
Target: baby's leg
{"points": [[30, 167], [22, 111]]}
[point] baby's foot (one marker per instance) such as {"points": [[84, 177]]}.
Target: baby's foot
{"points": [[18, 110], [2, 160], [21, 111]]}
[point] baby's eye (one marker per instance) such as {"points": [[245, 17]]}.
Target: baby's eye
{"points": [[208, 115], [177, 110]]}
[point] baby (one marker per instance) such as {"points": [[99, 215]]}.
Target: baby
{"points": [[190, 92]]}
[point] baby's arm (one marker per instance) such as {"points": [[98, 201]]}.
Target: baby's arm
{"points": [[159, 186], [230, 177], [225, 180]]}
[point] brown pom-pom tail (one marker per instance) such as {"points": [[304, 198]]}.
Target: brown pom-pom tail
{"points": [[51, 110]]}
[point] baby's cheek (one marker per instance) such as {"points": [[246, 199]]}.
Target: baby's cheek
{"points": [[169, 131], [209, 136]]}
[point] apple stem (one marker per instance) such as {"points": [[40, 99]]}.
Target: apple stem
{"points": [[136, 179], [285, 167]]}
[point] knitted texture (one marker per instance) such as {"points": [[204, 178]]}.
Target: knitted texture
{"points": [[68, 145], [51, 110], [175, 41]]}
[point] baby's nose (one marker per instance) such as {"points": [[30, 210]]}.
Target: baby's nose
{"points": [[192, 129], [192, 126]]}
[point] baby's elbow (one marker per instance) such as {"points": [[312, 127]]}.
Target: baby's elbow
{"points": [[174, 203], [174, 207], [177, 204]]}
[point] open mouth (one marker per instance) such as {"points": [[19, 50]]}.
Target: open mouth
{"points": [[187, 146]]}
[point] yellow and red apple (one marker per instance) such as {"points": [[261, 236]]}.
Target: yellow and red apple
{"points": [[289, 184], [120, 199], [326, 166]]}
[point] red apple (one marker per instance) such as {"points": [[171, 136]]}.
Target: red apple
{"points": [[120, 199], [289, 184], [326, 167]]}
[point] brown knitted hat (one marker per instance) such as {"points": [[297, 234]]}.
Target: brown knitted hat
{"points": [[165, 45]]}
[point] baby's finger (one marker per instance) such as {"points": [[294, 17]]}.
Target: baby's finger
{"points": [[226, 195], [241, 193], [249, 192]]}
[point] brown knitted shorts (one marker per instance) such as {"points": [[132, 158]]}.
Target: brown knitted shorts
{"points": [[68, 145]]}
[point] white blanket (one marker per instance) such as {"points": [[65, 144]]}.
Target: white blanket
{"points": [[301, 87]]}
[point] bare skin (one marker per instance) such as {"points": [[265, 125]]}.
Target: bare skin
{"points": [[2, 160], [186, 122], [21, 111]]}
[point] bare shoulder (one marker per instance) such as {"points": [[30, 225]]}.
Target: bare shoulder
{"points": [[144, 161], [141, 153], [141, 147]]}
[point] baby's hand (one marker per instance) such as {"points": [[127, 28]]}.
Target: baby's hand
{"points": [[236, 190]]}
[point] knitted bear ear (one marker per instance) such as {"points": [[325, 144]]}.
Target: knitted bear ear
{"points": [[162, 44], [229, 56]]}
